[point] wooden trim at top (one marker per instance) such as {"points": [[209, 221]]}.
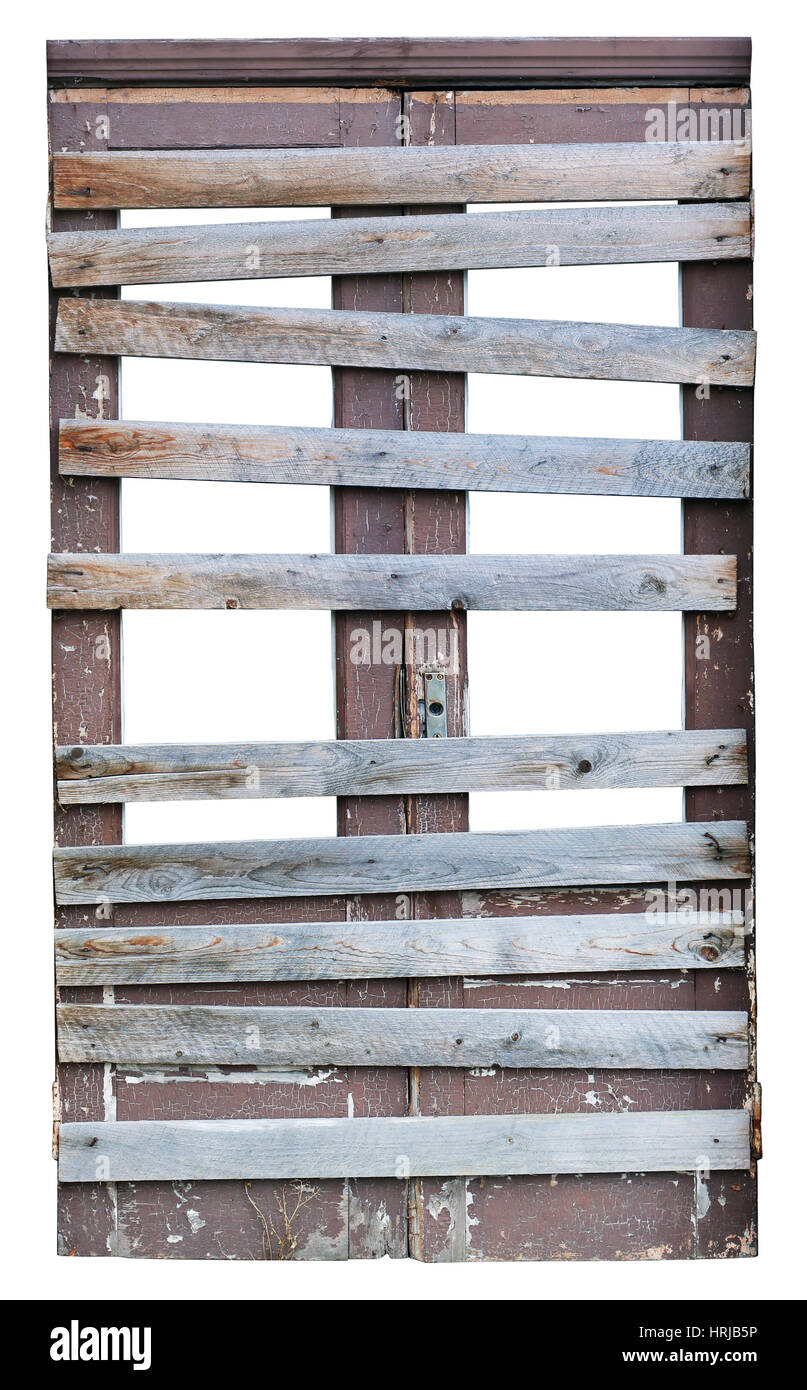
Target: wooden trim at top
{"points": [[404, 62]]}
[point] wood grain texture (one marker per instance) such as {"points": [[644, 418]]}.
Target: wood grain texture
{"points": [[404, 1146], [392, 949], [403, 459], [379, 767], [371, 246], [428, 582], [405, 863], [695, 170], [423, 342], [298, 1036]]}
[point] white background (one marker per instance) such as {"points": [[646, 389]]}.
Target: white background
{"points": [[240, 694]]}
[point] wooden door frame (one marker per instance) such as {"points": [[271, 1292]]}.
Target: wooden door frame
{"points": [[418, 79]]}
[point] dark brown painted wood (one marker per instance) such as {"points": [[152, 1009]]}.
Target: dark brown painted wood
{"points": [[719, 663], [370, 520], [86, 709], [404, 61], [195, 118]]}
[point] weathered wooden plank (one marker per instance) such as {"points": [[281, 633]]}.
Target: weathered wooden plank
{"points": [[403, 1146], [405, 863], [423, 342], [234, 1036], [471, 174], [367, 246], [428, 582], [403, 459], [380, 767], [392, 949]]}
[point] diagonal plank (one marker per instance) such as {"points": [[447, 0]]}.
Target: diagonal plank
{"points": [[384, 950], [372, 246], [377, 767], [402, 863], [346, 1037], [424, 342], [353, 582], [691, 170], [403, 459], [403, 1146]]}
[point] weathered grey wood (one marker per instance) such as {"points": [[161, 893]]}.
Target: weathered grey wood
{"points": [[365, 246], [464, 174], [402, 863], [355, 582], [375, 767], [423, 342], [403, 1147], [294, 1037], [403, 459], [383, 950]]}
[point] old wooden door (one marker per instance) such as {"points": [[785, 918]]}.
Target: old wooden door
{"points": [[201, 986]]}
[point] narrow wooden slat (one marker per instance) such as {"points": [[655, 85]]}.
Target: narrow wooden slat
{"points": [[471, 174], [403, 459], [306, 1037], [424, 342], [405, 863], [366, 246], [378, 767], [352, 582], [388, 950], [403, 1146]]}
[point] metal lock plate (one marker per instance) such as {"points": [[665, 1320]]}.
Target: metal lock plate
{"points": [[434, 684]]}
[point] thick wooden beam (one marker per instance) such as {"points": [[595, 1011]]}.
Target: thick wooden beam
{"points": [[345, 1037], [408, 62], [380, 767], [402, 863], [403, 459], [390, 950], [428, 582], [424, 342], [365, 246], [694, 170]]}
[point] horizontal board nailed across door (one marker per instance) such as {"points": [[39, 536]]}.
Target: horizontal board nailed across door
{"points": [[403, 459], [484, 582], [366, 246], [376, 767], [402, 863], [384, 950], [405, 1146], [168, 1034], [692, 170], [423, 342]]}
